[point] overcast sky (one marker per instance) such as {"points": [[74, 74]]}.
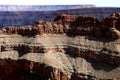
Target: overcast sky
{"points": [[99, 3]]}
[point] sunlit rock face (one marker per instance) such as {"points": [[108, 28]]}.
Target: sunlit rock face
{"points": [[69, 48]]}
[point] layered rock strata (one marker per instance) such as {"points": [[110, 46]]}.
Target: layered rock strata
{"points": [[72, 25], [70, 48]]}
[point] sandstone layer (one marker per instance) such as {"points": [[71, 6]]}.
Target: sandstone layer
{"points": [[70, 48]]}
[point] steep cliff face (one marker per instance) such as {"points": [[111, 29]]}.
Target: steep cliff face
{"points": [[70, 48], [23, 69], [72, 25]]}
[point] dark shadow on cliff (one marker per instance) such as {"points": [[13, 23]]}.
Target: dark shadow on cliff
{"points": [[73, 55], [92, 31], [101, 39], [21, 53], [97, 65], [101, 65], [92, 37]]}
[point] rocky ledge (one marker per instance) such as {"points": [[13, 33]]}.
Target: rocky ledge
{"points": [[70, 48]]}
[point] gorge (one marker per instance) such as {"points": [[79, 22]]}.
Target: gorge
{"points": [[68, 48]]}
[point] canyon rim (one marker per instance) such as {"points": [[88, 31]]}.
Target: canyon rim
{"points": [[68, 48]]}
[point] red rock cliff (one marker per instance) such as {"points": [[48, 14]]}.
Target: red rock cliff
{"points": [[70, 48], [72, 25]]}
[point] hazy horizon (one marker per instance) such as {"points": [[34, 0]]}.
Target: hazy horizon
{"points": [[98, 3], [44, 7], [41, 7]]}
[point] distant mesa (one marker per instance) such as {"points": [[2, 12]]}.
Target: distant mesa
{"points": [[27, 15], [41, 7]]}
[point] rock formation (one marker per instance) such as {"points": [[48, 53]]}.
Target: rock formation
{"points": [[70, 48]]}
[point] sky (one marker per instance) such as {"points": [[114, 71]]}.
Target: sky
{"points": [[98, 3]]}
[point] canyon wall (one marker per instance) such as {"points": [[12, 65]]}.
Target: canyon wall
{"points": [[69, 48], [72, 25]]}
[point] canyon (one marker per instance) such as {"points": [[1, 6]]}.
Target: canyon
{"points": [[27, 15], [68, 48]]}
